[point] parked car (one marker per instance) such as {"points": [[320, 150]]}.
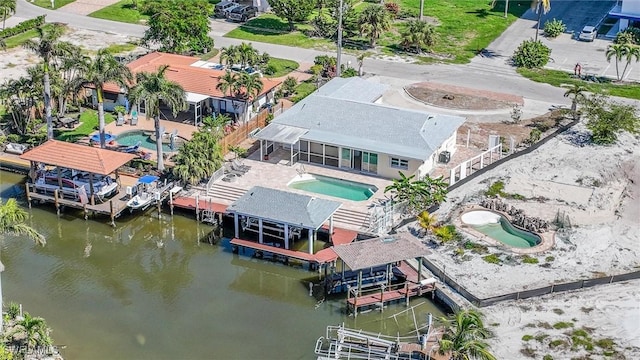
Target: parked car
{"points": [[242, 13], [588, 33], [222, 9]]}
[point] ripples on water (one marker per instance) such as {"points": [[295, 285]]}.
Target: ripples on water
{"points": [[149, 289]]}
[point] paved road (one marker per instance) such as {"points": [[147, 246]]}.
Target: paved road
{"points": [[479, 74]]}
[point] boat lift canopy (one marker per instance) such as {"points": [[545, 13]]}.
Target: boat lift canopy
{"points": [[147, 179]]}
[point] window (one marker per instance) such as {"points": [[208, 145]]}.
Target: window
{"points": [[400, 163], [369, 162]]}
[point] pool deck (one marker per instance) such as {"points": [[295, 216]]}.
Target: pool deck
{"points": [[548, 238]]}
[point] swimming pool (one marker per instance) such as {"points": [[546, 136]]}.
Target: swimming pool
{"points": [[131, 138], [498, 228], [326, 185]]}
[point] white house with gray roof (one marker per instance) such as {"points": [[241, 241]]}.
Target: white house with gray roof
{"points": [[344, 125]]}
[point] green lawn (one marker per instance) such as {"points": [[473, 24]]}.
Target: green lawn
{"points": [[88, 124], [121, 48], [209, 55], [20, 39], [282, 67], [271, 29], [47, 3], [121, 11], [303, 90], [561, 78], [465, 26]]}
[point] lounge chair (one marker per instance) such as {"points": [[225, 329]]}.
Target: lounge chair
{"points": [[132, 149], [134, 118], [15, 148], [120, 120], [228, 169], [238, 166]]}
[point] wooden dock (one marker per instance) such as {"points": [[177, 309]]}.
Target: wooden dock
{"points": [[204, 209]]}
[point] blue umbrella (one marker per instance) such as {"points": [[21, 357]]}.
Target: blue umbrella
{"points": [[107, 137]]}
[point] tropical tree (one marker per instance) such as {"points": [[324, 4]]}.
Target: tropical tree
{"points": [[633, 51], [47, 47], [178, 26], [292, 10], [419, 194], [418, 35], [229, 55], [70, 68], [464, 336], [426, 220], [199, 158], [576, 92], [104, 69], [249, 86], [228, 83], [152, 88], [7, 7], [541, 7], [607, 118], [374, 20], [247, 55], [618, 51], [19, 97]]}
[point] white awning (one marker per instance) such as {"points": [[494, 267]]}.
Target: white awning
{"points": [[279, 133], [195, 98]]}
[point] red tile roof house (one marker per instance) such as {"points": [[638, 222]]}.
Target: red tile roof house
{"points": [[199, 81]]}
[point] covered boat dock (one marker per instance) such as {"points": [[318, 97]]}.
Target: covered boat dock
{"points": [[361, 256], [81, 159], [281, 219]]}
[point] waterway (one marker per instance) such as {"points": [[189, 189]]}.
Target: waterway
{"points": [[149, 289]]}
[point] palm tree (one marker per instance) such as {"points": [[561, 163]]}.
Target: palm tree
{"points": [[151, 88], [418, 194], [248, 88], [71, 67], [633, 51], [373, 20], [541, 7], [7, 7], [618, 51], [103, 69], [47, 47], [229, 55], [228, 83], [247, 55], [464, 337], [13, 221], [427, 221], [576, 92], [418, 34], [199, 158]]}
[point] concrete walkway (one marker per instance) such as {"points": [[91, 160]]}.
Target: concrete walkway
{"points": [[86, 7]]}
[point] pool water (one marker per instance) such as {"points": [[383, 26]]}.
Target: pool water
{"points": [[498, 228], [131, 138], [325, 185]]}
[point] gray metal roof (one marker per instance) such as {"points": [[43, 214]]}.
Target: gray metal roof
{"points": [[353, 88], [371, 127], [284, 207], [281, 133], [380, 251]]}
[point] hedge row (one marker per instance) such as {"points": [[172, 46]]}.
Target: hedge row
{"points": [[22, 27]]}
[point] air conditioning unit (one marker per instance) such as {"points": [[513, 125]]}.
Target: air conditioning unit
{"points": [[444, 157]]}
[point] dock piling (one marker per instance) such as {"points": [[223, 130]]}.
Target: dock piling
{"points": [[56, 202], [112, 214]]}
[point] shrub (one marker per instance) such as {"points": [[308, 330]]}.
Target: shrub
{"points": [[562, 325], [289, 85], [492, 259], [445, 233], [497, 188], [270, 69], [349, 72], [527, 337], [22, 27], [558, 311], [554, 28], [628, 36], [547, 357], [556, 343], [534, 136], [408, 13], [392, 8], [529, 260], [549, 258], [14, 138], [607, 344], [531, 54]]}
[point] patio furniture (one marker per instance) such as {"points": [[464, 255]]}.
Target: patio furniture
{"points": [[132, 149], [134, 118], [69, 122], [120, 120], [238, 166], [15, 148]]}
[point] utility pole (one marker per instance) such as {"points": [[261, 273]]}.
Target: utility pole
{"points": [[339, 57], [506, 8]]}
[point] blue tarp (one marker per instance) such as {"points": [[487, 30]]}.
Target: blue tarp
{"points": [[147, 179]]}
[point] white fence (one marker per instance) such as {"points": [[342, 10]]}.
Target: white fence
{"points": [[476, 163]]}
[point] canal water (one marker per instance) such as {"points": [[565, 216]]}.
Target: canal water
{"points": [[149, 289]]}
